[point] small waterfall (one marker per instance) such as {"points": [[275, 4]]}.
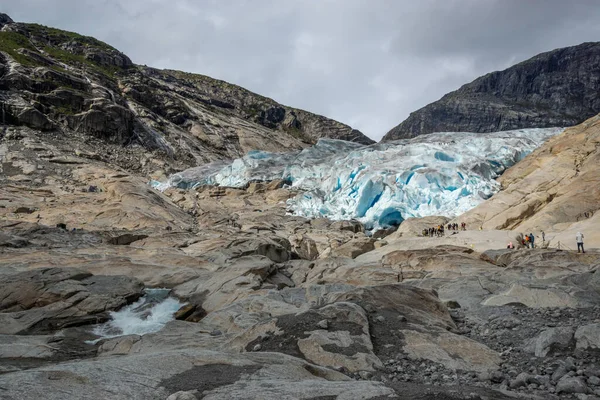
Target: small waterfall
{"points": [[149, 314]]}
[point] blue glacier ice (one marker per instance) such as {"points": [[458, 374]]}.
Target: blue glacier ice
{"points": [[382, 184]]}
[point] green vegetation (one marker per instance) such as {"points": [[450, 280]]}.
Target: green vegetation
{"points": [[253, 109], [67, 110], [56, 36], [299, 134], [11, 42], [77, 59]]}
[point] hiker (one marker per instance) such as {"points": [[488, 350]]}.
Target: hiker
{"points": [[510, 245], [527, 241], [579, 239], [543, 237], [532, 240]]}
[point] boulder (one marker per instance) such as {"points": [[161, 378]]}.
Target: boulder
{"points": [[570, 384], [348, 225], [588, 337], [354, 247], [550, 340], [306, 248]]}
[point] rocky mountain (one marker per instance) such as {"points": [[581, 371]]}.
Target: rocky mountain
{"points": [[257, 303], [83, 90], [556, 88]]}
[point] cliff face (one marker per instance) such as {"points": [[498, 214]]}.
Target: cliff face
{"points": [[557, 88], [80, 88]]}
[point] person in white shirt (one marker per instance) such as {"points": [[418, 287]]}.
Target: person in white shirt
{"points": [[579, 239]]}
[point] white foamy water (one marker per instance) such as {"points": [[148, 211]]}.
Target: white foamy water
{"points": [[149, 314]]}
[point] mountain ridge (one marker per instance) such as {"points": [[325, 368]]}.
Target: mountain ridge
{"points": [[82, 88], [554, 88]]}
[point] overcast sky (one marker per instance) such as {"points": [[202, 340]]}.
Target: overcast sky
{"points": [[367, 63]]}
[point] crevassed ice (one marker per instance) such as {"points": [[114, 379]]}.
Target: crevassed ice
{"points": [[382, 184]]}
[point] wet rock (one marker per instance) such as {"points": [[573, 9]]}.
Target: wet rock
{"points": [[48, 299], [118, 346], [185, 311]]}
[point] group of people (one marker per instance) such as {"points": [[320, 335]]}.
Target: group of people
{"points": [[440, 229], [528, 241], [434, 231], [454, 226]]}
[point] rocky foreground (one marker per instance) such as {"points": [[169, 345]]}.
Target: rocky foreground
{"points": [[276, 306]]}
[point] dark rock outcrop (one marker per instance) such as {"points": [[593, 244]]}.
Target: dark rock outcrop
{"points": [[5, 20], [557, 88]]}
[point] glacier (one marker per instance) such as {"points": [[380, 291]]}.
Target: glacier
{"points": [[380, 185]]}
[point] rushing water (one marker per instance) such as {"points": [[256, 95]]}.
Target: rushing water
{"points": [[149, 314]]}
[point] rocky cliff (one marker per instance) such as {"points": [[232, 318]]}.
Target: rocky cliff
{"points": [[557, 88], [556, 189], [83, 90]]}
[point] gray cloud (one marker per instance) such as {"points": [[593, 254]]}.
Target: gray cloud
{"points": [[367, 63]]}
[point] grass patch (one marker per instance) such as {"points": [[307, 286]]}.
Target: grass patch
{"points": [[11, 42], [57, 36], [299, 134], [67, 110], [253, 110], [79, 60]]}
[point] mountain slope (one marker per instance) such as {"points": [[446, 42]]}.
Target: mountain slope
{"points": [[557, 88], [82, 89], [556, 188]]}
